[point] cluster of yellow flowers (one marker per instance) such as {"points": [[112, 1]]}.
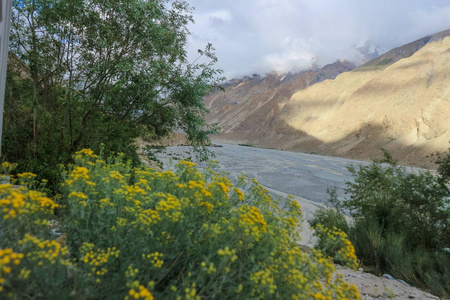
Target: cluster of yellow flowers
{"points": [[199, 185], [85, 152], [227, 252], [136, 290], [208, 268], [191, 293], [17, 201], [253, 218], [208, 206], [13, 205], [264, 282], [81, 176], [7, 167], [156, 259], [224, 187], [171, 207], [146, 217], [140, 293], [96, 260], [8, 258], [106, 202], [45, 251], [116, 175], [337, 239], [26, 178], [79, 196], [348, 253], [220, 239], [80, 173], [239, 194]]}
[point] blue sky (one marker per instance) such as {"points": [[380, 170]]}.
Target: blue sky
{"points": [[259, 36]]}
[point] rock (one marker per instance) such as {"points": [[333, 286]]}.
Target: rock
{"points": [[388, 276], [404, 282]]}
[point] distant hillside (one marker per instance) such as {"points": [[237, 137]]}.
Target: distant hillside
{"points": [[399, 101]]}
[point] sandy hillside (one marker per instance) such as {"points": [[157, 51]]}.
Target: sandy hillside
{"points": [[404, 108]]}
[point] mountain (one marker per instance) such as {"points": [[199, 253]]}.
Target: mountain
{"points": [[245, 101], [369, 51], [399, 101]]}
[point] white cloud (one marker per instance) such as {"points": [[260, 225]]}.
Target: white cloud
{"points": [[266, 35], [223, 15]]}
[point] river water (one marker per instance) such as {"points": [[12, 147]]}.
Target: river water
{"points": [[299, 174]]}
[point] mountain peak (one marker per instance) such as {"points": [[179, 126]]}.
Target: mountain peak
{"points": [[404, 51]]}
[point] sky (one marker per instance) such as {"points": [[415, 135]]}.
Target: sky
{"points": [[260, 36]]}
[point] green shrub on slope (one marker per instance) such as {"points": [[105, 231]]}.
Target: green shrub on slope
{"points": [[401, 222]]}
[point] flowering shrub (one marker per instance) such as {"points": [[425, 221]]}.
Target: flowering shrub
{"points": [[135, 233], [334, 243]]}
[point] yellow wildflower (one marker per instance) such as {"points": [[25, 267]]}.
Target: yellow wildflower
{"points": [[87, 152], [209, 207]]}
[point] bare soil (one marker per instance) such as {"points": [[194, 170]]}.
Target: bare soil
{"points": [[374, 287]]}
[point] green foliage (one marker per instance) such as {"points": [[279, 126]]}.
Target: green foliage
{"points": [[389, 252], [331, 228], [135, 233], [443, 162], [86, 73], [329, 218], [401, 221], [334, 243], [415, 205]]}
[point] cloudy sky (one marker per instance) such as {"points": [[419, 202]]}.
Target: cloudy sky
{"points": [[259, 36]]}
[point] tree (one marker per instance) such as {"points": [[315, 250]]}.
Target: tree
{"points": [[88, 72]]}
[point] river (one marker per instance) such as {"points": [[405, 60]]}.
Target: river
{"points": [[299, 174]]}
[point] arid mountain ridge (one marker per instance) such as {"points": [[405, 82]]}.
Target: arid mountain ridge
{"points": [[399, 101]]}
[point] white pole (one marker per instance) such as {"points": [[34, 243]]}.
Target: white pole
{"points": [[5, 21]]}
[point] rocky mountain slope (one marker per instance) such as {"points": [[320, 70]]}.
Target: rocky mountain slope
{"points": [[399, 101], [245, 100]]}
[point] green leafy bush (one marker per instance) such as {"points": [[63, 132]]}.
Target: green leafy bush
{"points": [[331, 228], [443, 162], [135, 233], [401, 222], [331, 217], [412, 204]]}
